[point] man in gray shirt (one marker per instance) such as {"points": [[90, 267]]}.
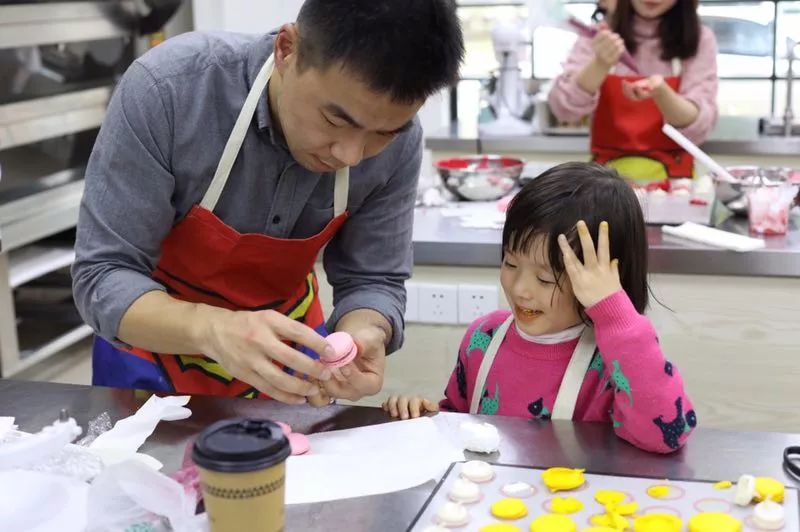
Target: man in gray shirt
{"points": [[172, 263]]}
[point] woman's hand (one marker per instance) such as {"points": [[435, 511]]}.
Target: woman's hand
{"points": [[644, 89], [598, 276], [608, 47]]}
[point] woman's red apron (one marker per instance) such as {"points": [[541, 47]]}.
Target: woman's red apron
{"points": [[203, 260], [622, 127]]}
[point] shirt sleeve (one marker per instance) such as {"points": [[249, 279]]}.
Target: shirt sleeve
{"points": [[650, 408], [699, 84], [370, 258], [126, 209], [568, 101]]}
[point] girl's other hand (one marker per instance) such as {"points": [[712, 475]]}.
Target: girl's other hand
{"points": [[406, 406]]}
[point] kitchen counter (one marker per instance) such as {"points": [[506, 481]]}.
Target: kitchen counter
{"points": [[441, 240], [735, 136], [709, 455]]}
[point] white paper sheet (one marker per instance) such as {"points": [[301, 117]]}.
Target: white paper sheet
{"points": [[369, 461], [6, 426]]}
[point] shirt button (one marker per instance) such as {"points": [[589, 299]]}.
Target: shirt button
{"points": [[276, 219]]}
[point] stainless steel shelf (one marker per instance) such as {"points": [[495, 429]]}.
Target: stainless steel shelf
{"points": [[34, 261], [41, 214], [61, 22], [28, 358], [44, 118]]}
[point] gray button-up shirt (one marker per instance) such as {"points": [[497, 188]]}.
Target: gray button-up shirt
{"points": [[156, 153]]}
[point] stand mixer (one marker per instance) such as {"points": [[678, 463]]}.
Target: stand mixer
{"points": [[509, 100]]}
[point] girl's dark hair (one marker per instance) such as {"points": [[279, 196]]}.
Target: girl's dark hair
{"points": [[553, 203], [678, 29]]}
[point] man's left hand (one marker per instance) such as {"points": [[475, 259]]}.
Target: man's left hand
{"points": [[363, 376]]}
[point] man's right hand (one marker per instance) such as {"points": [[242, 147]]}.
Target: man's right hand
{"points": [[608, 47], [246, 344]]}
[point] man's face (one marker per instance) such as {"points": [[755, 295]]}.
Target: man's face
{"points": [[331, 119]]}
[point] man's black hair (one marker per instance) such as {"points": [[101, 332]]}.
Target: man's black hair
{"points": [[409, 49]]}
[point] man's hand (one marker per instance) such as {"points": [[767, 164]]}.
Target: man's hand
{"points": [[247, 343], [364, 376]]}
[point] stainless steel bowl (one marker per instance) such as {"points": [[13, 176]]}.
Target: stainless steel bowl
{"points": [[734, 195], [480, 178]]}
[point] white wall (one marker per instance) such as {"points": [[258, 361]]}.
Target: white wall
{"points": [[244, 16]]}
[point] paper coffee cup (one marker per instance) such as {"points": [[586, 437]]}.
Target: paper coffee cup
{"points": [[242, 466]]}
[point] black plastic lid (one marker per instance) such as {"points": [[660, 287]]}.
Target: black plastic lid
{"points": [[240, 445]]}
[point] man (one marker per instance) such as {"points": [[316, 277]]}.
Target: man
{"points": [[225, 164]]}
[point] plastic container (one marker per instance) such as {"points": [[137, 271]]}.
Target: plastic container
{"points": [[768, 208]]}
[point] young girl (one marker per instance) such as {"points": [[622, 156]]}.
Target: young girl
{"points": [[676, 83], [575, 344]]}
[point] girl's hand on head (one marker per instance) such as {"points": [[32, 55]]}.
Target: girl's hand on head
{"points": [[405, 406], [643, 89], [598, 276]]}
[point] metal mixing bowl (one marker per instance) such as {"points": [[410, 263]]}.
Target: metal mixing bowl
{"points": [[480, 178], [734, 195]]}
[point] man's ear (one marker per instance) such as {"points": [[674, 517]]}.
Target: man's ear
{"points": [[286, 43]]}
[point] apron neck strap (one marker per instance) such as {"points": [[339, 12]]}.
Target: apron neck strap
{"points": [[340, 191], [570, 386], [236, 138], [486, 364], [677, 67]]}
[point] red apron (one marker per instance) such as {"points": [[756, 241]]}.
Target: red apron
{"points": [[205, 261], [622, 127]]}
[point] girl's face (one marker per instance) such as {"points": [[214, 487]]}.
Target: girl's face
{"points": [[539, 305], [651, 9]]}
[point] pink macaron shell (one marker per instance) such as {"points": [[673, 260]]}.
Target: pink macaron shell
{"points": [[343, 361], [284, 427], [343, 345], [299, 443]]}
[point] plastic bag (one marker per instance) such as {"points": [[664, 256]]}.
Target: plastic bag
{"points": [[132, 496]]}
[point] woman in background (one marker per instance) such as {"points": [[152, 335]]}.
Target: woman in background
{"points": [[676, 84]]}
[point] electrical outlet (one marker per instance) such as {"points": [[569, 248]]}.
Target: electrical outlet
{"points": [[412, 302], [438, 303], [475, 301]]}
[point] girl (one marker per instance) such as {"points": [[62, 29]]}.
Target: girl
{"points": [[575, 344], [676, 83]]}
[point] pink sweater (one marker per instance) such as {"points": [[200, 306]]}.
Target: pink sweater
{"points": [[570, 103], [629, 383]]}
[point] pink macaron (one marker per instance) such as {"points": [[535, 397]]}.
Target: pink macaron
{"points": [[344, 347], [299, 443], [284, 427]]}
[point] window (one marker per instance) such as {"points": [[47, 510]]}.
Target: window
{"points": [[477, 22], [752, 39]]}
